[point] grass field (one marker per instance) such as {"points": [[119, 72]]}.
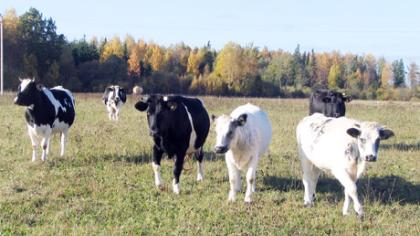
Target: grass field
{"points": [[105, 183]]}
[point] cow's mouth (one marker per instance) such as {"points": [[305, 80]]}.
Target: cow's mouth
{"points": [[370, 158], [220, 149]]}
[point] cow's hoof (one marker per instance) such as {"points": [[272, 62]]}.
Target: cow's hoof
{"points": [[248, 200], [175, 187], [231, 198], [160, 187], [199, 178]]}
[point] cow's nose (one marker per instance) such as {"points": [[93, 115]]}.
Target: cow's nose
{"points": [[220, 149], [370, 158]]}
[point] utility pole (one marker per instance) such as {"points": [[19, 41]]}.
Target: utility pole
{"points": [[1, 57]]}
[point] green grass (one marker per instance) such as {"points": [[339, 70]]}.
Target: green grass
{"points": [[105, 183]]}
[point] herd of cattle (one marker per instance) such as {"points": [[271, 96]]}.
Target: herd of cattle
{"points": [[178, 125]]}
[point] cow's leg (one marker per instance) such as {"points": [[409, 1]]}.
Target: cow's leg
{"points": [[157, 156], [250, 178], [199, 155], [63, 142], [310, 179], [116, 114], [234, 178], [350, 191], [45, 144], [35, 143], [179, 163]]}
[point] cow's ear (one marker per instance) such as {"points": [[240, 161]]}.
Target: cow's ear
{"points": [[172, 105], [241, 119], [141, 106], [353, 132], [122, 94], [385, 133], [326, 99]]}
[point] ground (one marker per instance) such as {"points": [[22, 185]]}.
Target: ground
{"points": [[105, 185]]}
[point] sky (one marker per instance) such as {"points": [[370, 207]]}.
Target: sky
{"points": [[380, 27]]}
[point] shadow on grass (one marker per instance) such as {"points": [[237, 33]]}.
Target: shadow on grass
{"points": [[401, 146], [387, 189], [145, 157]]}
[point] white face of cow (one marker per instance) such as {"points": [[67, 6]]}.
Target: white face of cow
{"points": [[115, 94], [368, 137], [226, 128]]}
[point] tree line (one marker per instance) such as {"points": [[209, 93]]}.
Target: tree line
{"points": [[34, 48]]}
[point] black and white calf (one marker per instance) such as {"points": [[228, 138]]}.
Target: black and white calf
{"points": [[114, 98], [48, 111], [341, 146], [328, 102], [179, 126]]}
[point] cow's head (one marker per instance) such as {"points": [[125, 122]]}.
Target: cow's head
{"points": [[226, 131], [369, 135], [27, 93], [114, 93], [335, 104], [160, 110]]}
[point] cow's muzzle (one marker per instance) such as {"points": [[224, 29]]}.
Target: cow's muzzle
{"points": [[220, 149], [370, 158]]}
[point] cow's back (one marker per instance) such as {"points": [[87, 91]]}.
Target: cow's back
{"points": [[323, 139], [66, 99], [258, 123], [200, 118]]}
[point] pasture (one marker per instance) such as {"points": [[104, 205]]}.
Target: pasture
{"points": [[104, 184]]}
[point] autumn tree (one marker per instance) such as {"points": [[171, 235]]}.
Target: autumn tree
{"points": [[112, 48]]}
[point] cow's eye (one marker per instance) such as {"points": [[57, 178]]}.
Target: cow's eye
{"points": [[362, 140]]}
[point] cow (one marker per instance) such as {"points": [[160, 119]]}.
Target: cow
{"points": [[243, 137], [179, 126], [114, 98], [341, 146], [330, 103], [48, 111], [137, 90]]}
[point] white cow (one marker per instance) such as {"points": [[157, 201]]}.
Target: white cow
{"points": [[341, 146], [244, 136]]}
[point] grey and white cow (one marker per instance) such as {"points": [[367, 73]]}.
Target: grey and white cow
{"points": [[341, 146], [114, 98]]}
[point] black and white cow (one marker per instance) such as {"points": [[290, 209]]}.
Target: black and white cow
{"points": [[48, 111], [114, 98], [179, 126], [330, 103]]}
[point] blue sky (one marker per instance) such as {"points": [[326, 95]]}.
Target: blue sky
{"points": [[383, 28]]}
